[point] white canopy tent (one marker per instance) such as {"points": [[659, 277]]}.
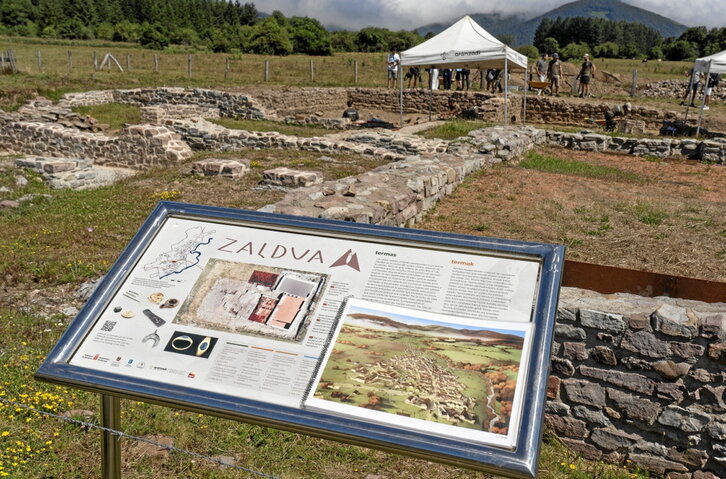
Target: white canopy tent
{"points": [[715, 63], [465, 44]]}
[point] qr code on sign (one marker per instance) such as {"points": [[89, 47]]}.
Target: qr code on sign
{"points": [[108, 326]]}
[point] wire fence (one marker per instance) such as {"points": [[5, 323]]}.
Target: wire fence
{"points": [[121, 434]]}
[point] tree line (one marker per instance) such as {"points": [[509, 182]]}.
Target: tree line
{"points": [[216, 25], [574, 36], [234, 27]]}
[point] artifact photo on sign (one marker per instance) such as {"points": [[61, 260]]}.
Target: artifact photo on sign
{"points": [[252, 299]]}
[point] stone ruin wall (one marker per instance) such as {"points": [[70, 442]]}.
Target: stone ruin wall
{"points": [[400, 193], [677, 89], [641, 380], [545, 110], [229, 104], [138, 147]]}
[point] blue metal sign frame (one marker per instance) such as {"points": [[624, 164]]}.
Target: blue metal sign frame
{"points": [[519, 462]]}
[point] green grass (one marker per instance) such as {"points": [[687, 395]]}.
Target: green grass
{"points": [[541, 162], [115, 115], [451, 130], [266, 125]]}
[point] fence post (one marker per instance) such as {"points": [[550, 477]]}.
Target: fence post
{"points": [[312, 71], [189, 65], [634, 86], [267, 70], [226, 68], [156, 62], [128, 63], [355, 68], [95, 60], [40, 62], [70, 61]]}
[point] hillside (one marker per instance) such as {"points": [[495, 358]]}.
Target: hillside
{"points": [[523, 30]]}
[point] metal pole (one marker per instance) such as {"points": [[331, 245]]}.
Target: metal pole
{"points": [[40, 62], [506, 88], [267, 70], [355, 67], [312, 71], [400, 78], [703, 98], [690, 85], [524, 106], [110, 445]]}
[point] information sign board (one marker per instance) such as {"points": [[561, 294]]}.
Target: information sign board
{"points": [[424, 343]]}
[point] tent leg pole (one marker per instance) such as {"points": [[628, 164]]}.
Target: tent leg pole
{"points": [[506, 90], [431, 98], [524, 105], [703, 98], [400, 100]]}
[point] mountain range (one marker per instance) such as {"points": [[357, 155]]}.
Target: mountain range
{"points": [[386, 323], [522, 28]]}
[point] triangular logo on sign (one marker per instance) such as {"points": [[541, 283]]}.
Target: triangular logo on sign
{"points": [[348, 259]]}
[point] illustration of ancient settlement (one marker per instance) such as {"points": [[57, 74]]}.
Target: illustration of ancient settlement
{"points": [[426, 372]]}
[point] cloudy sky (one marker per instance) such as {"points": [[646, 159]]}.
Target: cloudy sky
{"points": [[409, 14]]}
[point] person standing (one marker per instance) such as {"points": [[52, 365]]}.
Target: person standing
{"points": [[393, 62], [447, 78], [433, 78], [713, 81], [541, 70], [587, 71], [465, 72], [694, 83], [542, 67], [554, 72]]}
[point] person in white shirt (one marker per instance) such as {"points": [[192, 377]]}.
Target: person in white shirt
{"points": [[393, 62]]}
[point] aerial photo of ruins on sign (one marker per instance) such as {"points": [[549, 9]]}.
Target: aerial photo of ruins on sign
{"points": [[252, 299], [447, 373]]}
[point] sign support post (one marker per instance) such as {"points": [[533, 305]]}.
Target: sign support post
{"points": [[110, 445]]}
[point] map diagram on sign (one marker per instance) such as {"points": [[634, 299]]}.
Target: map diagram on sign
{"points": [[181, 256]]}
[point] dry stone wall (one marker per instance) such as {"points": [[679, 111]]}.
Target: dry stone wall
{"points": [[676, 89], [400, 193], [641, 380], [158, 114], [554, 111], [204, 135], [234, 105], [63, 173], [708, 150], [137, 147]]}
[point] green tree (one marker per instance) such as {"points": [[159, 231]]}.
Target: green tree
{"points": [[269, 38], [574, 51], [16, 12], [309, 37], [343, 41], [680, 50], [370, 39], [606, 50], [549, 45], [629, 50], [154, 36], [530, 51], [126, 32]]}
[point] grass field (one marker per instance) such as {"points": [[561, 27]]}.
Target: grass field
{"points": [[67, 66]]}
